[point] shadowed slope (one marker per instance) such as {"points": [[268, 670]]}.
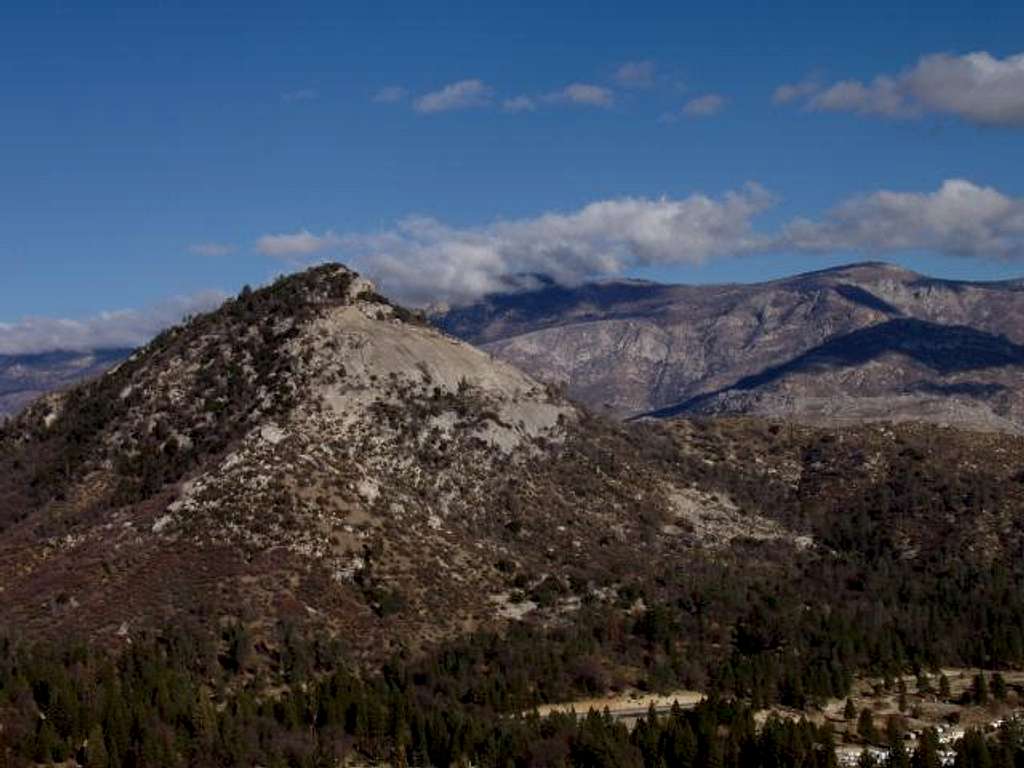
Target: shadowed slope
{"points": [[941, 348]]}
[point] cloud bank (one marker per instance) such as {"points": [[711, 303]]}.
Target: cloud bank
{"points": [[519, 104], [976, 87], [107, 330], [790, 92], [958, 219], [303, 94], [422, 260]]}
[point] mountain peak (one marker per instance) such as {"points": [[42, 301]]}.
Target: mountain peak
{"points": [[860, 270], [311, 419]]}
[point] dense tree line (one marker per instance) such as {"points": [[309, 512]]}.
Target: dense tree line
{"points": [[178, 698], [166, 701]]}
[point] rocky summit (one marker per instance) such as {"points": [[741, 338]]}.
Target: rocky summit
{"points": [[301, 425], [864, 342]]}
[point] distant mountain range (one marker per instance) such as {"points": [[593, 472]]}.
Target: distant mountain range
{"points": [[24, 377], [868, 341]]}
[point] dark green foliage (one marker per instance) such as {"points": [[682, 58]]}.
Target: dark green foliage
{"points": [[152, 706], [866, 726], [998, 687], [944, 692], [926, 755], [979, 689]]}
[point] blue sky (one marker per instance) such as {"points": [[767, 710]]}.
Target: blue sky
{"points": [[148, 150]]}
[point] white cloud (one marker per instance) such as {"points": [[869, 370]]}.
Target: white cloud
{"points": [[422, 259], [790, 92], [960, 218], [303, 94], [636, 74], [519, 104], [211, 249], [301, 243], [391, 94], [108, 330], [584, 94], [976, 87], [704, 106], [884, 96], [460, 95]]}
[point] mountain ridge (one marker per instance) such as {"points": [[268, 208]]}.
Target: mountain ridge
{"points": [[664, 349]]}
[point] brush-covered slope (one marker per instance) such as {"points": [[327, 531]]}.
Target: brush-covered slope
{"points": [[307, 447], [310, 452], [869, 341]]}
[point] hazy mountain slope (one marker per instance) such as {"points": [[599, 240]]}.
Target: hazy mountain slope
{"points": [[773, 348], [24, 377]]}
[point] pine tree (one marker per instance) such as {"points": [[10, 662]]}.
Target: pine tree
{"points": [[898, 757], [866, 726], [203, 719], [96, 750], [924, 683], [46, 739], [927, 753], [972, 751], [998, 687], [979, 689], [944, 692]]}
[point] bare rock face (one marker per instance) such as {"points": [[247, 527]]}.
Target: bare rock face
{"points": [[868, 341]]}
